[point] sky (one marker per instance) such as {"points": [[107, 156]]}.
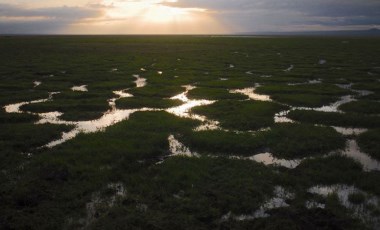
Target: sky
{"points": [[185, 16]]}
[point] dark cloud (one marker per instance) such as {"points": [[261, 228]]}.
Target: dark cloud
{"points": [[32, 27], [64, 12], [316, 7], [344, 21], [42, 20], [256, 15]]}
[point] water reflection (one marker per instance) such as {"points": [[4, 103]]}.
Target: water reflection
{"points": [[250, 92], [363, 93], [109, 118], [184, 110], [334, 106], [350, 131], [100, 203], [269, 159], [113, 115], [291, 67], [36, 83], [352, 150], [16, 108], [371, 74], [176, 148], [281, 117], [281, 195], [121, 94], [81, 88], [179, 149], [360, 92], [313, 204], [310, 82], [140, 82], [208, 125], [363, 211]]}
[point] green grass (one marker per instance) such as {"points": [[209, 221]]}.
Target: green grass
{"points": [[369, 142], [229, 82], [81, 166], [223, 143], [291, 141], [146, 102], [356, 198], [24, 136], [287, 141], [189, 184], [335, 119], [330, 170], [367, 86], [318, 89], [299, 218], [7, 118], [362, 107], [368, 182], [214, 94], [162, 91], [73, 110], [75, 105], [50, 188], [306, 95], [17, 140], [304, 100], [241, 115]]}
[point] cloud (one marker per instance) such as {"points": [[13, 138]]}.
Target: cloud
{"points": [[316, 7], [237, 16], [265, 15], [14, 19]]}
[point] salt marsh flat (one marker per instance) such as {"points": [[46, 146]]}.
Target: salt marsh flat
{"points": [[189, 132]]}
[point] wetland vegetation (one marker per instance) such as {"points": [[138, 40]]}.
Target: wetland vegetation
{"points": [[166, 132]]}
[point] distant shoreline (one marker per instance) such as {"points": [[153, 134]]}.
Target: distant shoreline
{"points": [[374, 33]]}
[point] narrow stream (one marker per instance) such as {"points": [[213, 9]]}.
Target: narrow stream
{"points": [[250, 92], [281, 195], [269, 159], [176, 148], [113, 115], [291, 67], [16, 108], [352, 150], [184, 110]]}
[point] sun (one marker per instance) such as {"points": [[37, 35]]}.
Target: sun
{"points": [[150, 11], [149, 17], [165, 14]]}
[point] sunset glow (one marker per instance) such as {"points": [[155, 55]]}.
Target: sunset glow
{"points": [[148, 17], [182, 16], [150, 11]]}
